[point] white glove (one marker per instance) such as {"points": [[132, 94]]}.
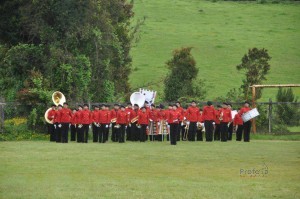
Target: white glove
{"points": [[168, 126], [69, 125], [198, 123], [187, 123], [59, 125], [90, 126], [150, 120], [166, 123], [175, 120], [129, 125], [181, 124], [158, 123], [55, 126], [214, 123], [184, 118], [80, 126], [126, 127], [106, 126]]}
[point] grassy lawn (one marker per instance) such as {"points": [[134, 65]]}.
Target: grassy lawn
{"points": [[221, 33], [39, 169]]}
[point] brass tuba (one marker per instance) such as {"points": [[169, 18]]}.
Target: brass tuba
{"points": [[57, 98]]}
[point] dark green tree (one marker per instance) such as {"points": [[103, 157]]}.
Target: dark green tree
{"points": [[256, 66], [181, 80]]}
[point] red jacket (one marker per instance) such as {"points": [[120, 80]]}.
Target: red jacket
{"points": [[56, 117], [85, 117], [153, 115], [51, 115], [180, 110], [122, 117], [217, 116], [96, 116], [226, 115], [173, 117], [65, 115], [200, 117], [143, 117], [237, 120], [192, 114], [208, 113], [104, 117], [74, 119], [113, 114], [244, 110], [161, 115], [133, 114]]}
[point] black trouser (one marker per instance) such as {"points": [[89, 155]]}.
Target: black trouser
{"points": [[121, 135], [209, 130], [64, 132], [192, 131], [230, 131], [135, 134], [178, 132], [96, 131], [247, 128], [57, 132], [85, 134], [114, 134], [199, 135], [128, 133], [217, 132], [173, 133], [51, 131], [224, 131], [80, 134], [239, 132], [102, 132], [73, 132], [143, 134]]}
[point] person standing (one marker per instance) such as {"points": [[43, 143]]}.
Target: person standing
{"points": [[79, 124], [103, 121], [114, 113], [108, 121], [246, 125], [143, 121], [180, 110], [129, 111], [86, 120], [238, 124], [200, 124], [133, 123], [122, 122], [73, 125], [192, 115], [51, 128], [95, 123], [65, 119], [225, 119], [173, 121], [57, 125], [217, 133], [230, 124], [209, 118]]}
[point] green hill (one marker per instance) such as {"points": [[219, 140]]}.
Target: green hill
{"points": [[221, 33]]}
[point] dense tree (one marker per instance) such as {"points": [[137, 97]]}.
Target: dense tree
{"points": [[182, 78], [80, 47], [256, 66]]}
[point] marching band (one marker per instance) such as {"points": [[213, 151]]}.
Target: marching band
{"points": [[135, 123]]}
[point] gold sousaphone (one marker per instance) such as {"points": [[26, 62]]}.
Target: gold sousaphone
{"points": [[58, 98]]}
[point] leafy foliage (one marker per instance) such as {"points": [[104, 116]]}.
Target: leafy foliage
{"points": [[256, 66]]}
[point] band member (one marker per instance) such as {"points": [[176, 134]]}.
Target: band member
{"points": [[129, 111], [51, 129], [65, 119], [122, 122], [161, 118], [57, 124], [230, 125], [209, 117], [133, 123], [108, 120], [114, 113], [167, 112], [225, 119], [153, 122], [79, 129], [85, 121], [143, 121], [181, 113], [199, 126], [217, 133], [173, 121], [95, 124], [73, 125], [246, 125], [238, 124], [192, 119], [184, 125]]}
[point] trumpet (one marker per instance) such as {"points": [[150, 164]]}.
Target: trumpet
{"points": [[134, 119], [114, 120]]}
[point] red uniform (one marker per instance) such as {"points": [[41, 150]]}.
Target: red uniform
{"points": [[161, 115], [192, 114], [173, 117], [143, 117], [74, 119], [153, 115], [200, 117], [122, 117], [237, 120], [209, 113], [226, 115], [133, 114], [104, 117], [180, 110], [85, 117], [244, 110], [56, 117], [65, 115], [217, 116], [51, 115], [96, 116], [113, 114]]}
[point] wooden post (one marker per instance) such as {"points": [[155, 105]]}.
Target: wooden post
{"points": [[270, 115], [253, 106]]}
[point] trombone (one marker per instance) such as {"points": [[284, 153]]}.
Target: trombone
{"points": [[186, 131]]}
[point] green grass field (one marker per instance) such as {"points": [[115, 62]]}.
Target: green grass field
{"points": [[221, 33], [39, 169]]}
